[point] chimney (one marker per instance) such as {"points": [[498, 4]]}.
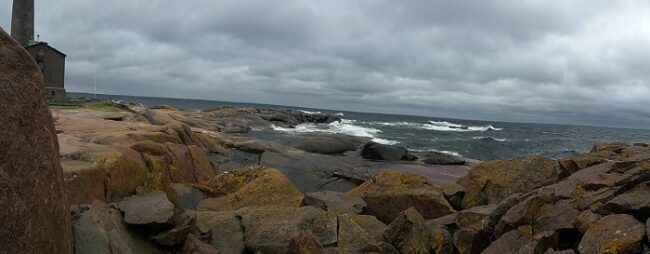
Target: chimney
{"points": [[22, 22]]}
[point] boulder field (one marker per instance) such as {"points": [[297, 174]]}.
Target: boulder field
{"points": [[165, 180], [173, 187]]}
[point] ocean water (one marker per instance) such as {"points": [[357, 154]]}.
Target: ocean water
{"points": [[484, 140]]}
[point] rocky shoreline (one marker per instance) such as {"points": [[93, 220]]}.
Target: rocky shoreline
{"points": [[164, 180]]}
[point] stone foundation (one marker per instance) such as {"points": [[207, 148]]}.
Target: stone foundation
{"points": [[54, 93]]}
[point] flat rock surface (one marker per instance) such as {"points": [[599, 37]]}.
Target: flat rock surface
{"points": [[149, 208]]}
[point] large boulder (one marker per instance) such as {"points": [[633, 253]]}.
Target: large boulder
{"points": [[269, 188], [333, 201], [618, 233], [376, 151], [635, 202], [261, 227], [409, 233], [101, 230], [438, 158], [355, 233], [35, 210], [153, 207], [325, 143], [510, 242], [225, 231], [492, 181], [389, 193]]}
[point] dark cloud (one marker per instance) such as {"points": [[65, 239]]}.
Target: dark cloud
{"points": [[579, 62]]}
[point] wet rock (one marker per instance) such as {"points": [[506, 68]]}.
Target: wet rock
{"points": [[438, 158], [376, 151], [389, 193], [35, 211], [101, 230], [619, 233], [492, 181], [442, 241], [224, 230], [149, 208], [325, 143], [615, 147], [261, 227], [511, 242], [188, 197], [258, 146], [409, 233], [268, 188], [305, 243], [333, 201], [195, 246]]}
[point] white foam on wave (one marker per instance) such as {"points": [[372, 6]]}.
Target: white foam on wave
{"points": [[490, 138], [345, 126], [447, 126], [310, 112], [339, 114]]}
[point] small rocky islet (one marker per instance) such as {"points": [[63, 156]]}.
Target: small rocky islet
{"points": [[135, 179]]}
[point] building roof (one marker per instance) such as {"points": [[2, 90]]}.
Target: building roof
{"points": [[47, 45]]}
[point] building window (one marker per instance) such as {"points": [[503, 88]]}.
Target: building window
{"points": [[53, 93]]}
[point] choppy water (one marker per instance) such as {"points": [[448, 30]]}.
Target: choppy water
{"points": [[483, 140]]}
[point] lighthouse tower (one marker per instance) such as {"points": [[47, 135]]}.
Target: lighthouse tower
{"points": [[22, 22]]}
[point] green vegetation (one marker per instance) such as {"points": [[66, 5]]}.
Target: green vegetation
{"points": [[105, 105]]}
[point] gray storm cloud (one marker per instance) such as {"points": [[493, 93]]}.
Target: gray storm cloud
{"points": [[579, 62]]}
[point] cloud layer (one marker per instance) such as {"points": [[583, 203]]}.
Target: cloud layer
{"points": [[580, 62]]}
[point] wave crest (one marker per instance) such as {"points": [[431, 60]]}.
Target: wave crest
{"points": [[447, 126], [345, 126]]}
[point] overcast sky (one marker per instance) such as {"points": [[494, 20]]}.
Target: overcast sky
{"points": [[579, 62]]}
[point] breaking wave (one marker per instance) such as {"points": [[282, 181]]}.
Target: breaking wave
{"points": [[447, 126], [345, 126], [310, 112], [490, 138]]}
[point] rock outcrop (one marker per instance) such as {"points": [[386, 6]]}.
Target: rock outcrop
{"points": [[35, 209], [492, 181], [389, 193]]}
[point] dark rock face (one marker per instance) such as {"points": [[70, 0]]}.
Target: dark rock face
{"points": [[324, 143], [35, 214], [376, 151], [438, 158], [511, 242]]}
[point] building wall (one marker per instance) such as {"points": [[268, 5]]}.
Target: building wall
{"points": [[52, 65]]}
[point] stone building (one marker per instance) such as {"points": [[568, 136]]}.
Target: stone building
{"points": [[50, 60]]}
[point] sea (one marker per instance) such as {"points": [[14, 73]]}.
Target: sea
{"points": [[483, 140]]}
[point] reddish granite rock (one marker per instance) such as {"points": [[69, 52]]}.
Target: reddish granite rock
{"points": [[305, 243], [35, 215]]}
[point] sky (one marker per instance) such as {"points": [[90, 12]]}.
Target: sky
{"points": [[573, 62]]}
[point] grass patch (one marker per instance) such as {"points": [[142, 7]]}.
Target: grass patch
{"points": [[105, 106]]}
